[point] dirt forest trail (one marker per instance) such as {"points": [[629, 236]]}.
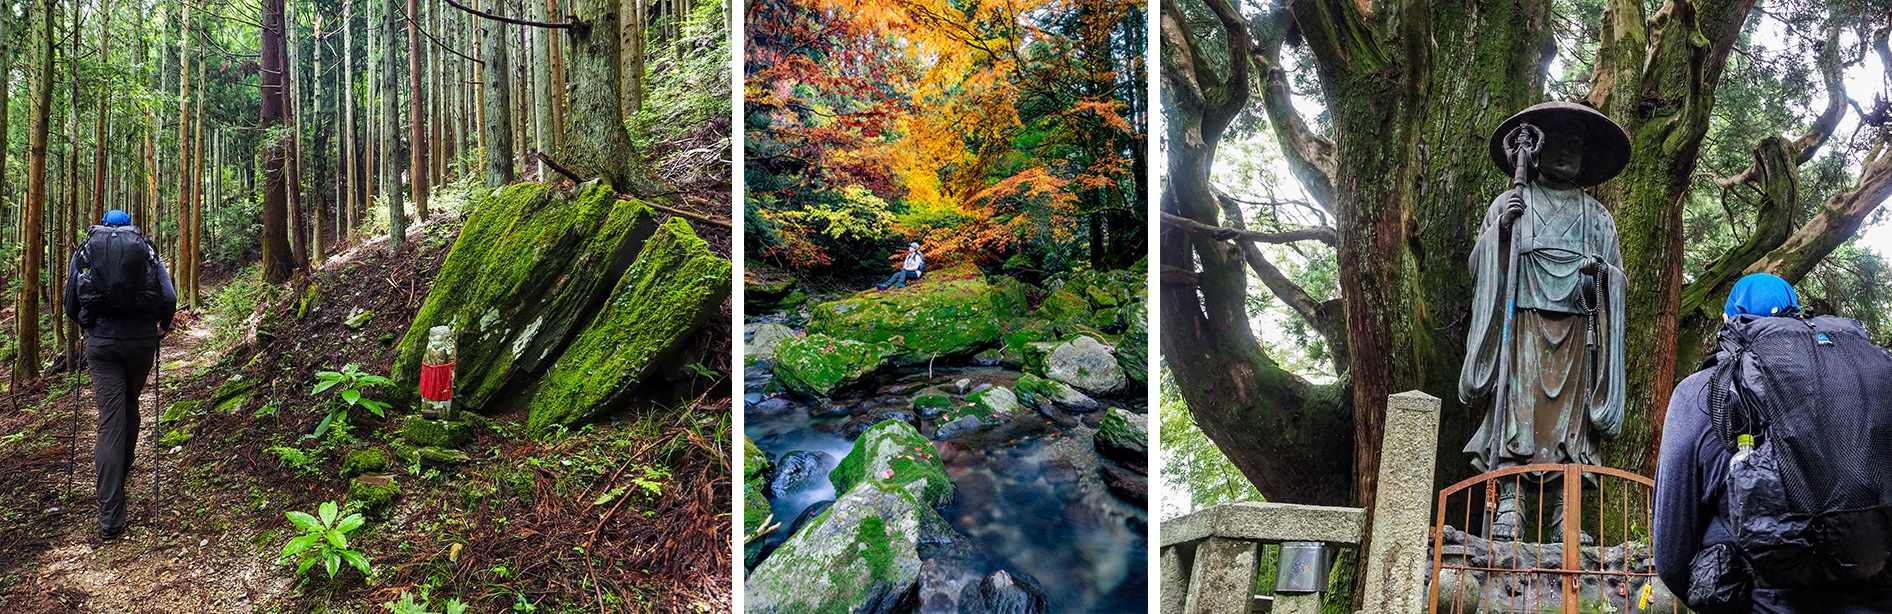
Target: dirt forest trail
{"points": [[150, 569]]}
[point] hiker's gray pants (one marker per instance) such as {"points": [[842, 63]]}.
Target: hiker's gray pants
{"points": [[119, 367]]}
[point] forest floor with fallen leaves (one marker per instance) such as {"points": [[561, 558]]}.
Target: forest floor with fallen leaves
{"points": [[630, 513]]}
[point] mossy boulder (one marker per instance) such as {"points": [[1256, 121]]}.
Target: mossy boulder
{"points": [[951, 313], [1124, 436], [766, 289], [1082, 361], [374, 493], [895, 453], [527, 273], [861, 555], [178, 411], [1133, 349], [1019, 334], [441, 457], [996, 401], [675, 285], [365, 460], [816, 365], [1036, 391], [756, 516], [440, 433], [1094, 300], [232, 395]]}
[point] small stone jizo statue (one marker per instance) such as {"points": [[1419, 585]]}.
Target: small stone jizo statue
{"points": [[1545, 348]]}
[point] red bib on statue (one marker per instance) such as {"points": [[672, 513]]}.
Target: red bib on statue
{"points": [[436, 382]]}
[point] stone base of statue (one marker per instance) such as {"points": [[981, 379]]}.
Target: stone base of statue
{"points": [[1484, 576]]}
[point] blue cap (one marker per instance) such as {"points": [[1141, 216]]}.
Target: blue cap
{"points": [[116, 218], [1762, 294]]}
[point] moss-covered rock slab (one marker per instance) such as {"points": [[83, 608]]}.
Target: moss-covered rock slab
{"points": [[674, 286], [232, 395], [859, 556], [374, 492], [816, 365], [895, 453], [1035, 391], [766, 289], [951, 313], [526, 274]]}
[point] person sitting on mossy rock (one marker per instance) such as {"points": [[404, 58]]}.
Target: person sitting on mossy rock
{"points": [[910, 268]]}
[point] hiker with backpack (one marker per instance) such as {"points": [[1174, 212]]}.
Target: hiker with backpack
{"points": [[910, 268], [118, 291], [1773, 489]]}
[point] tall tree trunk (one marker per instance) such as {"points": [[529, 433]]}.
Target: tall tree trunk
{"points": [[26, 309], [349, 127], [417, 103], [639, 88], [596, 143], [278, 257], [496, 121], [292, 81], [541, 55], [390, 133], [555, 44], [195, 258], [98, 132]]}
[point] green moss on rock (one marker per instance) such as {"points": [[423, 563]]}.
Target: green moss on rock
{"points": [[365, 460], [439, 433], [178, 411], [932, 399], [374, 496], [816, 365], [232, 395], [675, 285], [951, 313], [174, 438], [863, 550], [528, 271], [894, 453]]}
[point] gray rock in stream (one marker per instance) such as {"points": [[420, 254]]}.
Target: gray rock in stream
{"points": [[1124, 436], [860, 424], [1003, 593], [860, 556], [797, 471]]}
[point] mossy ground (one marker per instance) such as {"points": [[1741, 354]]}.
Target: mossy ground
{"points": [[952, 313]]}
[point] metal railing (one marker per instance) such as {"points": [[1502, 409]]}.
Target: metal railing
{"points": [[1571, 572]]}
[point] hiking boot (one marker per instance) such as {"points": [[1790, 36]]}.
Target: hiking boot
{"points": [[880, 286], [112, 533], [900, 285]]}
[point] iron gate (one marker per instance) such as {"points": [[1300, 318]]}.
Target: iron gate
{"points": [[1528, 573]]}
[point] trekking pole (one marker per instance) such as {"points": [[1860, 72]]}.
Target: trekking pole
{"points": [[157, 418], [72, 444]]}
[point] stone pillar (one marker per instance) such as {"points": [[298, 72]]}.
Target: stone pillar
{"points": [[1223, 580], [1297, 603], [1175, 583], [1396, 561]]}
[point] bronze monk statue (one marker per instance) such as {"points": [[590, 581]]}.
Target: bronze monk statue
{"points": [[1546, 338]]}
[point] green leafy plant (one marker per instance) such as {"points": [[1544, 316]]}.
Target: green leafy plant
{"points": [[297, 459], [324, 540], [347, 385], [407, 605]]}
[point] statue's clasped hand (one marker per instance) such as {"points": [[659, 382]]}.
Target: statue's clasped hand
{"points": [[1592, 265]]}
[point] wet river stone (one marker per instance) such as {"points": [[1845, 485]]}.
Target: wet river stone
{"points": [[859, 556], [1124, 436], [859, 424], [953, 312], [1081, 361], [1003, 593], [1036, 388], [895, 453], [765, 337], [795, 472]]}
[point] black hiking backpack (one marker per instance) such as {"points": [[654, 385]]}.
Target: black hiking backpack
{"points": [[119, 275], [1812, 503]]}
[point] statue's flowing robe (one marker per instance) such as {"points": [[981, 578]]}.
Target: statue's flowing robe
{"points": [[1560, 400]]}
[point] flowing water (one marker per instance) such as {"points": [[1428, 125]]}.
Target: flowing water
{"points": [[1030, 495]]}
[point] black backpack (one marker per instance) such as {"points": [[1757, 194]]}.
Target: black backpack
{"points": [[119, 275], [1812, 504]]}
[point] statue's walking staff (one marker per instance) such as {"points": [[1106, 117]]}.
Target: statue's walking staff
{"points": [[1522, 145]]}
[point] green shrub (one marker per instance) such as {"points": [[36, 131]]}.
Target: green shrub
{"points": [[324, 540]]}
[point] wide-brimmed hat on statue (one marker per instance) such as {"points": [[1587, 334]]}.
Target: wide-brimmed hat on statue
{"points": [[1605, 144]]}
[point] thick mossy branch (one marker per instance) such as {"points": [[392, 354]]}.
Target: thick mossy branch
{"points": [[1310, 156]]}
